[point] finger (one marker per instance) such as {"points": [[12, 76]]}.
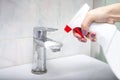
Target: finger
{"points": [[83, 40], [79, 37], [93, 40], [91, 36]]}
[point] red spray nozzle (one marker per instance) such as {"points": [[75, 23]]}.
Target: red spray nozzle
{"points": [[67, 28], [76, 29]]}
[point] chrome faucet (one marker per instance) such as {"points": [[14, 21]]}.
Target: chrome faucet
{"points": [[40, 44]]}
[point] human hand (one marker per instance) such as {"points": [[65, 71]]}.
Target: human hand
{"points": [[80, 37], [98, 15]]}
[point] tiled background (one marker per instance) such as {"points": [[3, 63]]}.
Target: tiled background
{"points": [[19, 17]]}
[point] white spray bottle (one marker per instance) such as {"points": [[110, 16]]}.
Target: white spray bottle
{"points": [[106, 35]]}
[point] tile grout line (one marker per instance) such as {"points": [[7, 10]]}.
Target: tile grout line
{"points": [[16, 38]]}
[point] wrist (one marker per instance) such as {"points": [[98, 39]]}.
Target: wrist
{"points": [[113, 12]]}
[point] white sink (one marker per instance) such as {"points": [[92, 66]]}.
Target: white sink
{"points": [[74, 67]]}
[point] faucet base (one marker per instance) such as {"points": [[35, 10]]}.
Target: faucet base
{"points": [[38, 72]]}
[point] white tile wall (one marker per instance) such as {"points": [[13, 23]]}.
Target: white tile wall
{"points": [[5, 62], [18, 51], [108, 2], [17, 19]]}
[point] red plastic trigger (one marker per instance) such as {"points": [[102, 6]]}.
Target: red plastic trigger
{"points": [[78, 30]]}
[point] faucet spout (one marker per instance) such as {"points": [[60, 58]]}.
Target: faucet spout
{"points": [[54, 46]]}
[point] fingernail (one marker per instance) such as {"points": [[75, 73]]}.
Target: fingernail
{"points": [[93, 35], [84, 32]]}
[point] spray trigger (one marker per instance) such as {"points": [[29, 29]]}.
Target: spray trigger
{"points": [[78, 30]]}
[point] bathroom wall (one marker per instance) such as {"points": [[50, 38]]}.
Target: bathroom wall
{"points": [[19, 17], [96, 50], [108, 2]]}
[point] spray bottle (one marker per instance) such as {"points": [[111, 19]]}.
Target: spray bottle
{"points": [[77, 20], [107, 35]]}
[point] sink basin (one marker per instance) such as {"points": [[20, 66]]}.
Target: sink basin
{"points": [[80, 67]]}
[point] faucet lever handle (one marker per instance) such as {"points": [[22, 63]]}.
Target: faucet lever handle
{"points": [[36, 29], [41, 32], [51, 29]]}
